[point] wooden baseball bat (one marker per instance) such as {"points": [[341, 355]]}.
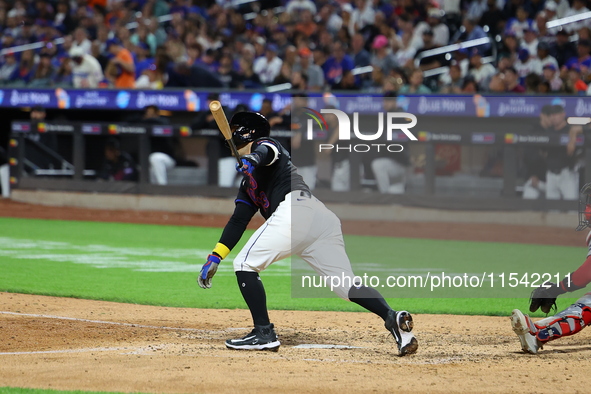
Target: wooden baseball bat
{"points": [[220, 118]]}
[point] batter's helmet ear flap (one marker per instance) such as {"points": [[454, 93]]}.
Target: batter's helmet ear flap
{"points": [[585, 207]]}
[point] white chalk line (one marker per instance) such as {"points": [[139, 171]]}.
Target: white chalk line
{"points": [[121, 324], [97, 349]]}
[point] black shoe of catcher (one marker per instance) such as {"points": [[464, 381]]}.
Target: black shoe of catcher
{"points": [[260, 338], [400, 325]]}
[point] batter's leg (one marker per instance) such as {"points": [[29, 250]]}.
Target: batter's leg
{"points": [[327, 256], [269, 243]]}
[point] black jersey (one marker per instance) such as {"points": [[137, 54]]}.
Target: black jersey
{"points": [[272, 180]]}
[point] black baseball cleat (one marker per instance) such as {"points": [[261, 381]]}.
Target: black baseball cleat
{"points": [[400, 325], [260, 338]]}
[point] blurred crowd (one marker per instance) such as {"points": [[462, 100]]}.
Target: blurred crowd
{"points": [[312, 45]]}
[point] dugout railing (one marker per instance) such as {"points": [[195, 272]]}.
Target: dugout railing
{"points": [[506, 140]]}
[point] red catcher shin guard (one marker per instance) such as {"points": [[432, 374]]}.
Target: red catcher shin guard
{"points": [[568, 322]]}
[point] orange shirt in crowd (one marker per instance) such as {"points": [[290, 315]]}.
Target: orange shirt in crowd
{"points": [[126, 79]]}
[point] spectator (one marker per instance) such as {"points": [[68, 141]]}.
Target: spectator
{"points": [[493, 18], [24, 71], [81, 40], [363, 15], [480, 72], [250, 80], [532, 82], [544, 88], [432, 61], [415, 84], [86, 70], [434, 24], [63, 77], [9, 67], [63, 21], [267, 111], [313, 72], [470, 86], [329, 18], [550, 75], [361, 57], [208, 61], [563, 50], [43, 72], [574, 83], [544, 55], [526, 64], [476, 9], [268, 66], [143, 60], [520, 23], [530, 40], [382, 56], [583, 58], [404, 51], [118, 165], [143, 36], [347, 82], [293, 6], [226, 73], [578, 7], [336, 65], [451, 82], [512, 81], [121, 68], [307, 25], [472, 32], [497, 83]]}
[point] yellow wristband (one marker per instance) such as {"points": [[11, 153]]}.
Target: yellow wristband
{"points": [[222, 250]]}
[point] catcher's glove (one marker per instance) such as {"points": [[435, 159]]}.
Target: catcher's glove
{"points": [[544, 297]]}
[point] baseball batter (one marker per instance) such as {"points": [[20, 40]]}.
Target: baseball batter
{"points": [[573, 319], [272, 186]]}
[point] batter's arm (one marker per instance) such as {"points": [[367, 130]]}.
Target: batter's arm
{"points": [[243, 213]]}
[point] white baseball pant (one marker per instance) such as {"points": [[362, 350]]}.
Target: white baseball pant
{"points": [[314, 234], [159, 164]]}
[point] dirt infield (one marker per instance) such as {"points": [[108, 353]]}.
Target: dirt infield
{"points": [[72, 344]]}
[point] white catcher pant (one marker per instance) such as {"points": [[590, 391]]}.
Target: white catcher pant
{"points": [[159, 164], [315, 236]]}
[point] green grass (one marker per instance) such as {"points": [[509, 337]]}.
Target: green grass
{"points": [[157, 265]]}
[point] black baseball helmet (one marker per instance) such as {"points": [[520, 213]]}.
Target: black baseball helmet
{"points": [[248, 126], [584, 207]]}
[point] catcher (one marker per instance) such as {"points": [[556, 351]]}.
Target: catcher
{"points": [[573, 319], [272, 186]]}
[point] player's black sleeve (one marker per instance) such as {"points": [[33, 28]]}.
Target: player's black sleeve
{"points": [[235, 227]]}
